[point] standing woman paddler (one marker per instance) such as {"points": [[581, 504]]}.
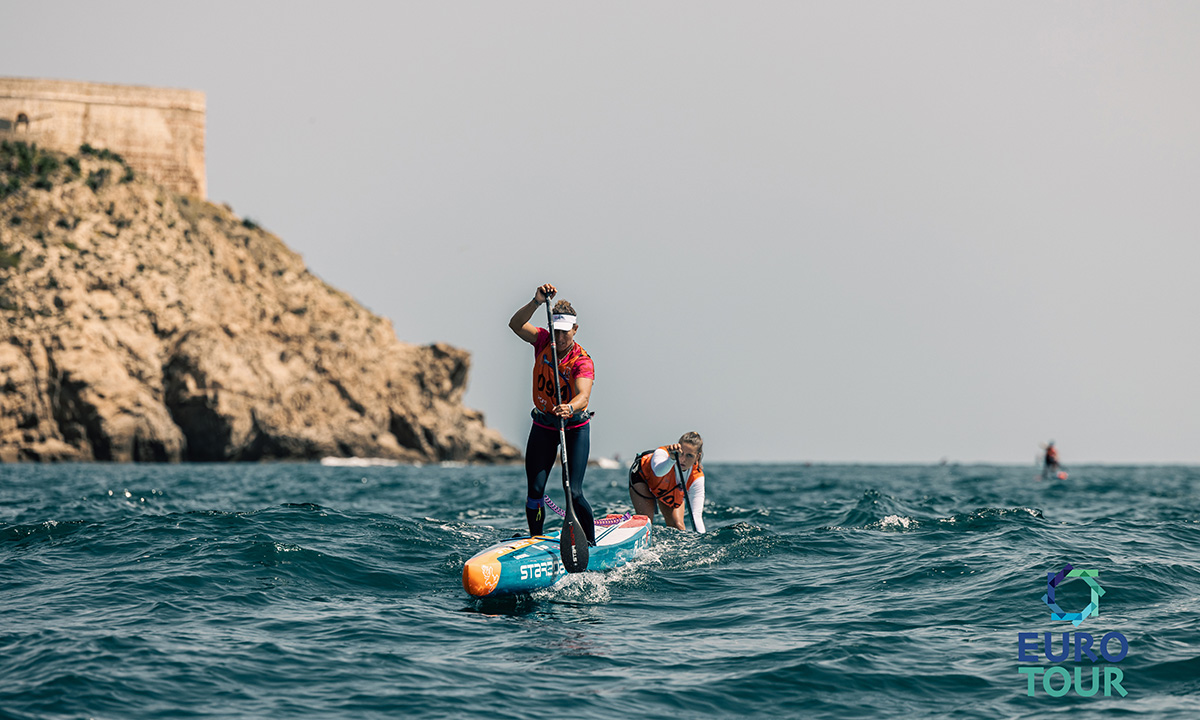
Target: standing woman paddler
{"points": [[553, 418]]}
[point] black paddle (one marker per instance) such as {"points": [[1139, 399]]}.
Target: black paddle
{"points": [[572, 542], [687, 504]]}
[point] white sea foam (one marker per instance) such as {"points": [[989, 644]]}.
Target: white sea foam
{"points": [[896, 522], [585, 587]]}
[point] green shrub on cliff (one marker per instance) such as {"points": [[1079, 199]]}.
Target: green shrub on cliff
{"points": [[45, 166], [97, 179], [16, 161], [101, 153], [10, 187], [19, 160], [9, 260]]}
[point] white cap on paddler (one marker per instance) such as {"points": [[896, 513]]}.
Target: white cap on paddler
{"points": [[563, 322]]}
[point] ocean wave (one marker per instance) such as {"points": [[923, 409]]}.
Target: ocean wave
{"points": [[985, 518], [988, 519], [49, 530], [828, 592]]}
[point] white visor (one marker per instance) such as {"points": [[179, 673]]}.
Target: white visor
{"points": [[563, 322]]}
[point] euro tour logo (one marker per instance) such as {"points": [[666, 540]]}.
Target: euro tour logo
{"points": [[1073, 647]]}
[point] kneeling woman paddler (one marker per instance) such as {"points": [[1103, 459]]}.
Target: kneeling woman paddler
{"points": [[575, 375], [654, 481]]}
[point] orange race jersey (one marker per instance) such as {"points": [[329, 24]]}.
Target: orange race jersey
{"points": [[666, 488], [577, 364]]}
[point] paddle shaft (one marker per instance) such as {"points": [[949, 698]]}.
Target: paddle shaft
{"points": [[687, 504], [572, 541]]}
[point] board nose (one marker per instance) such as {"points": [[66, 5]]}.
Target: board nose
{"points": [[480, 576]]}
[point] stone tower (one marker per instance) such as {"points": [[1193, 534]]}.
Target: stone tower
{"points": [[159, 132]]}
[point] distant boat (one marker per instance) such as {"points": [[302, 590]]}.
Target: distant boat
{"points": [[358, 462], [606, 463]]}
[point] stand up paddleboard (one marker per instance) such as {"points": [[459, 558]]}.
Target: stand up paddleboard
{"points": [[524, 564]]}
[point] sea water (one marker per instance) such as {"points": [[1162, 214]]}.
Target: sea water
{"points": [[304, 591]]}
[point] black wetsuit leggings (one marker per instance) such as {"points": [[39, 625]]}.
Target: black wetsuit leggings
{"points": [[540, 453]]}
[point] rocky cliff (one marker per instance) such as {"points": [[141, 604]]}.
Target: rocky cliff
{"points": [[139, 324]]}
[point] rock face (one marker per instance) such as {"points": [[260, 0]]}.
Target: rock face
{"points": [[137, 324]]}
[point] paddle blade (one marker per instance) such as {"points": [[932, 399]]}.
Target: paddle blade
{"points": [[574, 546]]}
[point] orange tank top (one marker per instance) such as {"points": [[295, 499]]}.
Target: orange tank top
{"points": [[666, 488], [576, 364]]}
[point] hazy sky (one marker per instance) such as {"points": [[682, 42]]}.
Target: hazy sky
{"points": [[836, 231]]}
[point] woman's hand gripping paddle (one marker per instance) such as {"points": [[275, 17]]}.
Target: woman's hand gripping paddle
{"points": [[572, 542]]}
